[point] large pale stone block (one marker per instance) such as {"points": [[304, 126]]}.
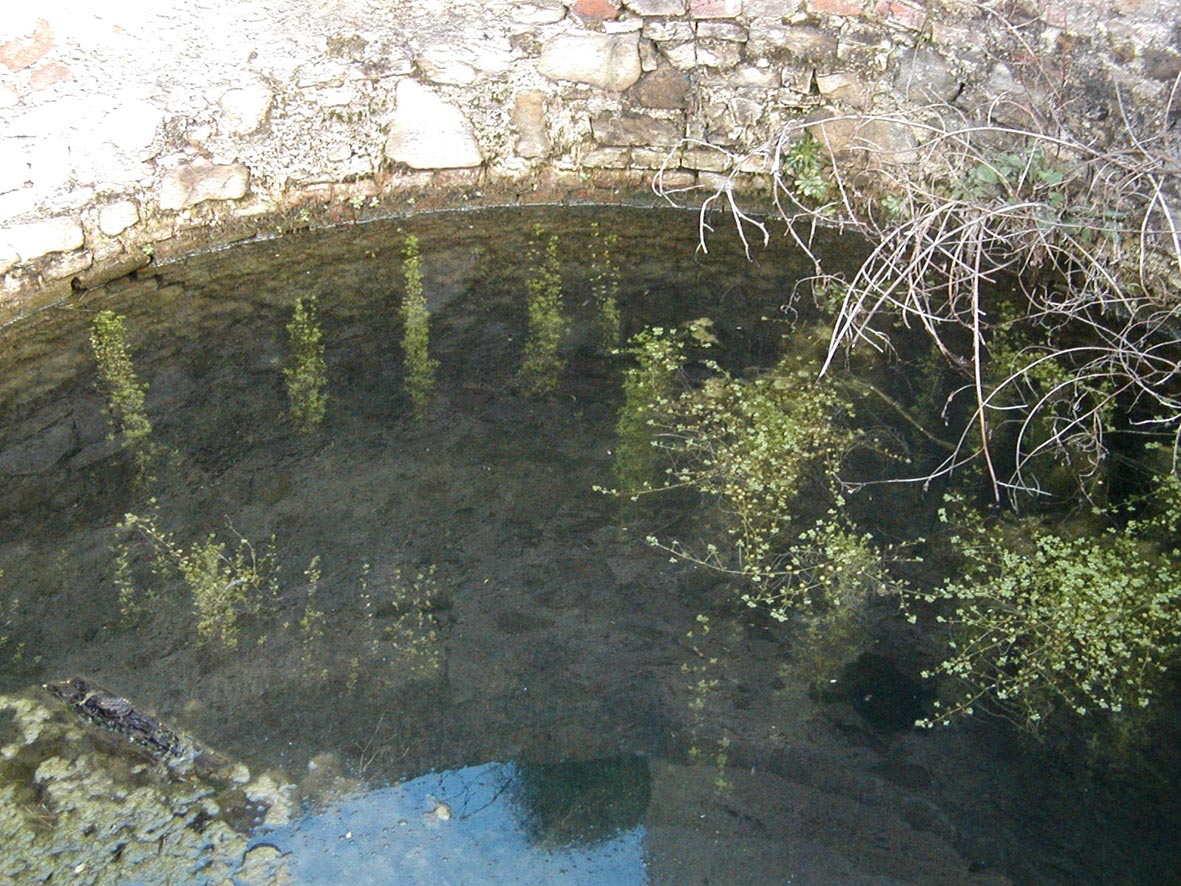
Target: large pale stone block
{"points": [[200, 180], [33, 240], [117, 217], [429, 133], [609, 61]]}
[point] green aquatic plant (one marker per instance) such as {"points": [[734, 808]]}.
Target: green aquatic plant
{"points": [[604, 281], [542, 362], [413, 635], [1041, 620], [125, 393], [419, 366], [311, 623], [765, 452], [225, 579], [306, 372]]}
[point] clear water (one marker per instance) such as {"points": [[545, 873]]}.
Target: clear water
{"points": [[533, 710]]}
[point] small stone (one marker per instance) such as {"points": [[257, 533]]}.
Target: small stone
{"points": [[656, 7], [715, 8], [682, 56], [116, 218], [33, 240], [443, 64], [28, 50], [731, 31], [754, 76], [595, 10], [717, 54], [610, 128], [542, 12], [533, 141], [809, 43], [244, 109], [842, 87], [609, 61], [923, 75], [49, 74], [665, 88], [847, 8], [607, 158], [200, 180], [670, 32], [430, 133]]}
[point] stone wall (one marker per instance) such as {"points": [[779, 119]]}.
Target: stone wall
{"points": [[135, 131]]}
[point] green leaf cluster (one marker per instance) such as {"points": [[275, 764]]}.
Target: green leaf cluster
{"points": [[803, 166], [763, 450], [1041, 621]]}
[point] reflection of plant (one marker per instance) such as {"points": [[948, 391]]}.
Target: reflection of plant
{"points": [[306, 372], [1042, 620], [583, 802], [311, 623], [604, 281], [419, 366], [547, 326], [125, 392], [9, 604], [225, 581]]}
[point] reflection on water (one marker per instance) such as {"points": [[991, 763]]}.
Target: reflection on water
{"points": [[412, 591], [475, 825]]}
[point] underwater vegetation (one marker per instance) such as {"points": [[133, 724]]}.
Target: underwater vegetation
{"points": [[224, 579]]}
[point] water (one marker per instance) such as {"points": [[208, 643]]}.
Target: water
{"points": [[470, 668]]}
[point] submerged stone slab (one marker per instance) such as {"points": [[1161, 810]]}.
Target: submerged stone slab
{"points": [[609, 61], [430, 133]]}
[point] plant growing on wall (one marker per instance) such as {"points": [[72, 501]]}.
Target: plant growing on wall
{"points": [[306, 372], [418, 364]]}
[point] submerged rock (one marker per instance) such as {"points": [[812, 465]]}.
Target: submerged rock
{"points": [[75, 809]]}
